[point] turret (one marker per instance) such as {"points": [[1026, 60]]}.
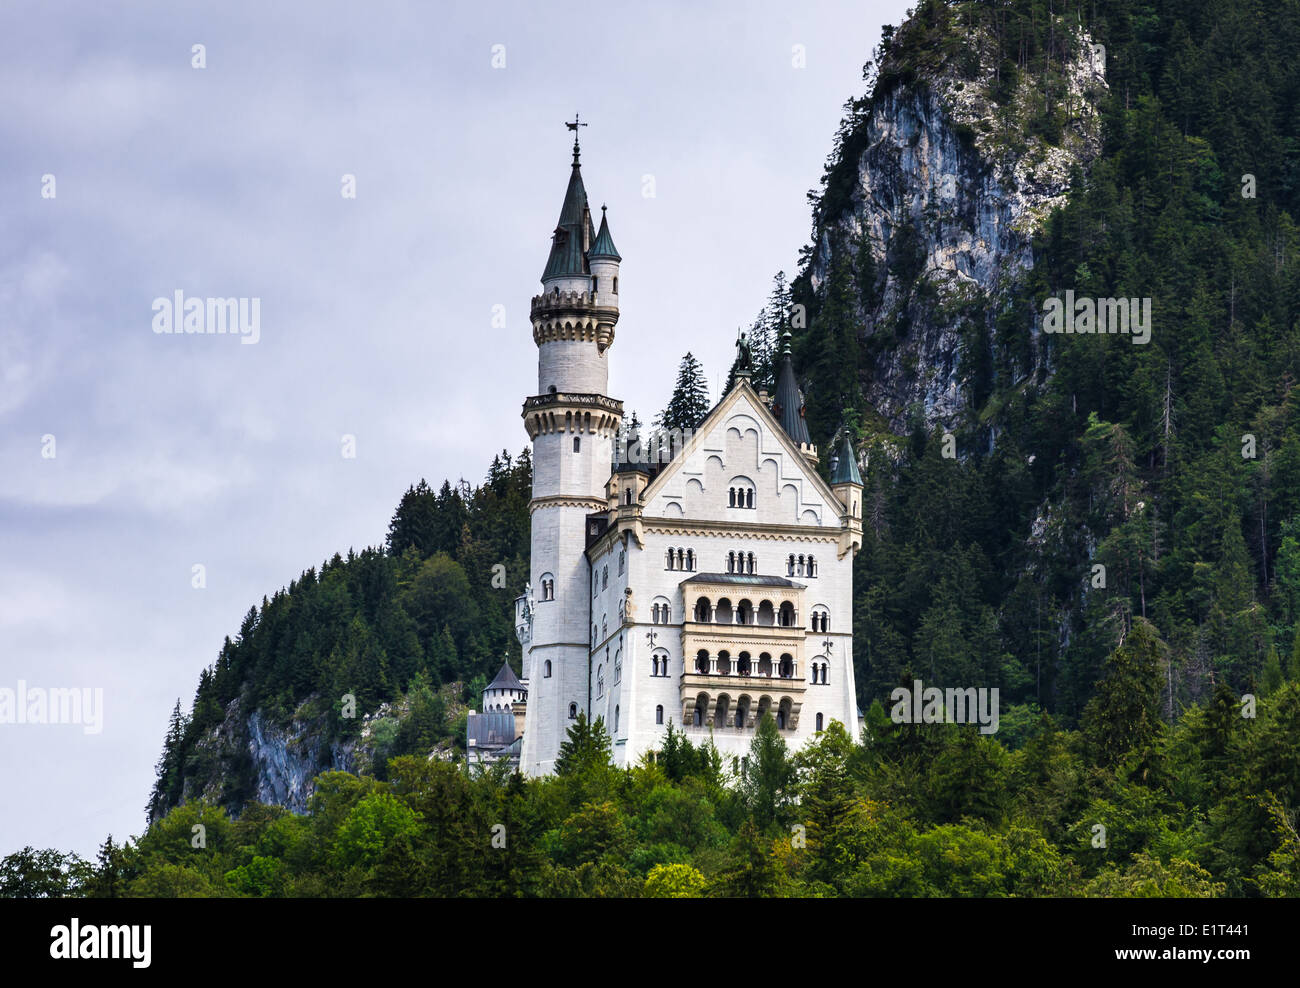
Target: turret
{"points": [[788, 407], [846, 482]]}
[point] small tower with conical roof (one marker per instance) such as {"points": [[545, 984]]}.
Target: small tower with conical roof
{"points": [[573, 425], [788, 406], [846, 482]]}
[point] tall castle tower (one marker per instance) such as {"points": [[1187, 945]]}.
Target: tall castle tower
{"points": [[572, 425]]}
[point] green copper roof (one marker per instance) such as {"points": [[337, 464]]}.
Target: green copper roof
{"points": [[604, 243], [573, 233], [788, 406], [844, 464]]}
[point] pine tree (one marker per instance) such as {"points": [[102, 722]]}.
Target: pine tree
{"points": [[689, 402], [1124, 714]]}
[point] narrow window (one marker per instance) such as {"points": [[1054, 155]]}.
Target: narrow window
{"points": [[732, 498], [751, 563], [616, 286], [547, 674], [659, 714], [577, 444], [573, 711], [819, 723]]}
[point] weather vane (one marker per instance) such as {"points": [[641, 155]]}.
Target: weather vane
{"points": [[573, 125]]}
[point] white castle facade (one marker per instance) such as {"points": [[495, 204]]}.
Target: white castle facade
{"points": [[705, 589]]}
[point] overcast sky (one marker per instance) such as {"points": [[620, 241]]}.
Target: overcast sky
{"points": [[375, 312]]}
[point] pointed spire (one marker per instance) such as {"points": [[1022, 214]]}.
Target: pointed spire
{"points": [[788, 406], [844, 463], [603, 246], [506, 679], [574, 232]]}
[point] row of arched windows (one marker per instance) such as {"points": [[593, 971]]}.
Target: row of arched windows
{"points": [[801, 566], [743, 665], [722, 715], [727, 715], [740, 497], [741, 714], [681, 559], [744, 613], [821, 620], [741, 562], [660, 614]]}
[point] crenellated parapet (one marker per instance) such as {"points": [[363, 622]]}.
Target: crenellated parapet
{"points": [[577, 413], [583, 316]]}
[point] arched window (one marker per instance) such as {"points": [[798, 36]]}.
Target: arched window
{"points": [[752, 568], [600, 680], [616, 284], [812, 566], [731, 562], [594, 283], [699, 717], [622, 559], [799, 572], [819, 723], [659, 714], [741, 493], [786, 668], [577, 444], [604, 578], [702, 662], [681, 559], [790, 566], [573, 711], [690, 560], [547, 673], [616, 716]]}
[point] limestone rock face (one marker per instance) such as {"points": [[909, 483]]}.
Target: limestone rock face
{"points": [[950, 188]]}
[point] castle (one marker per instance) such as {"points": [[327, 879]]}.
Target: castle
{"points": [[705, 587]]}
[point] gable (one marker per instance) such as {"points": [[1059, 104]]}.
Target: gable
{"points": [[740, 447]]}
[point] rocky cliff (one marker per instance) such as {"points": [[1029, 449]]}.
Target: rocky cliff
{"points": [[947, 174]]}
